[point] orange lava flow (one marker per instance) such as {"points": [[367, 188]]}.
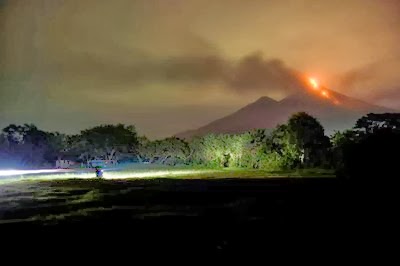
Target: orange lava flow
{"points": [[324, 93], [314, 83]]}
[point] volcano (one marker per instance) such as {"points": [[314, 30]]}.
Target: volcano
{"points": [[334, 110]]}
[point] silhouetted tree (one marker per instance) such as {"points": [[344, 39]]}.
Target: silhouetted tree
{"points": [[371, 123], [170, 151], [370, 149], [26, 145], [342, 142], [375, 156], [104, 142], [300, 142], [307, 134], [57, 144]]}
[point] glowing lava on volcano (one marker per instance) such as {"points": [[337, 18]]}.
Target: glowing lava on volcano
{"points": [[322, 91], [314, 83]]}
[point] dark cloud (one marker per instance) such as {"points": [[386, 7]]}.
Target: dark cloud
{"points": [[253, 72], [249, 73], [106, 58]]}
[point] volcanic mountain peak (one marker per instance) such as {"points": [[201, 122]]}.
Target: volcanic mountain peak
{"points": [[334, 110], [265, 100], [263, 103]]}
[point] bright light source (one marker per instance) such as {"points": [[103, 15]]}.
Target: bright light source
{"points": [[152, 173], [12, 172], [321, 91], [314, 83], [60, 174]]}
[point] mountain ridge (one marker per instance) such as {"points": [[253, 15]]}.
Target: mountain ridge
{"points": [[334, 110]]}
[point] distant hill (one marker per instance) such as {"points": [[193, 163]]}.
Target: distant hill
{"points": [[334, 110]]}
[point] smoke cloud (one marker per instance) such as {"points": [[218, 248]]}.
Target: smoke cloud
{"points": [[88, 62], [378, 82], [251, 73]]}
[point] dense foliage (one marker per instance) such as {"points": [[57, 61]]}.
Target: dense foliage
{"points": [[108, 142], [27, 146], [170, 151], [370, 149], [300, 143]]}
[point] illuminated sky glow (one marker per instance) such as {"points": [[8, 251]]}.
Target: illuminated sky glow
{"points": [[168, 66]]}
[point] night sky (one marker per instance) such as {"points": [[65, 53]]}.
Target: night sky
{"points": [[171, 65]]}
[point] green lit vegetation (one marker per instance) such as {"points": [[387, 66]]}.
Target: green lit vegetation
{"points": [[300, 143], [296, 148]]}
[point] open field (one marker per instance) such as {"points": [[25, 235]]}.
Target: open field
{"points": [[207, 209], [157, 171]]}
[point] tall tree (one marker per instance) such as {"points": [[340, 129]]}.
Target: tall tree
{"points": [[300, 142], [105, 142], [307, 134]]}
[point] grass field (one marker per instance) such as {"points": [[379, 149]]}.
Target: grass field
{"points": [[156, 171], [55, 197], [200, 207]]}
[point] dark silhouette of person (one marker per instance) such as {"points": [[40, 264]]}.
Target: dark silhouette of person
{"points": [[99, 172]]}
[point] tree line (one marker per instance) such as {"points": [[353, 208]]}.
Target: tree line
{"points": [[299, 143]]}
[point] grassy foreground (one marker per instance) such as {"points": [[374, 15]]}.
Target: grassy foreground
{"points": [[53, 198], [198, 210], [157, 171]]}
